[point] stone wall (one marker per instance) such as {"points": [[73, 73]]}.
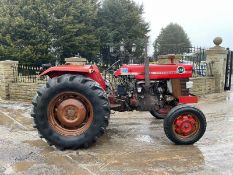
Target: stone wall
{"points": [[203, 85], [23, 91], [26, 91], [11, 89]]}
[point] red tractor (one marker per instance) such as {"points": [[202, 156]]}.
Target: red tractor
{"points": [[73, 108]]}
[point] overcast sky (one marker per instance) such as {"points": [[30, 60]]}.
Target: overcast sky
{"points": [[202, 20]]}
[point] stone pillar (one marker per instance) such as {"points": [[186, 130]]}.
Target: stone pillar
{"points": [[7, 76], [216, 61], [168, 59]]}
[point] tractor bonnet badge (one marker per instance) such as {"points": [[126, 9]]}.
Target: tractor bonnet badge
{"points": [[180, 70], [124, 71]]}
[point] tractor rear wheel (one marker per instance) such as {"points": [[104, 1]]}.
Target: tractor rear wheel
{"points": [[185, 125], [71, 111]]}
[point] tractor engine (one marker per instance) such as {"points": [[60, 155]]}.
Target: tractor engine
{"points": [[132, 93], [167, 85]]}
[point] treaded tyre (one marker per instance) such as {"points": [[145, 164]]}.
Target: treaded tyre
{"points": [[71, 111], [184, 125]]}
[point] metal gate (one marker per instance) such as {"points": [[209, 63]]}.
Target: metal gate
{"points": [[228, 73]]}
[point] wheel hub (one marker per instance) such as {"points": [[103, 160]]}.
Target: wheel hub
{"points": [[71, 112], [185, 125]]}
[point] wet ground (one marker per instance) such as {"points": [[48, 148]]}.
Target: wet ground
{"points": [[134, 144]]}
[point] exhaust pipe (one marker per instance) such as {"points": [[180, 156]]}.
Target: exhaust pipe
{"points": [[147, 68]]}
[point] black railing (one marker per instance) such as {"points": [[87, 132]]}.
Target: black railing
{"points": [[27, 74], [107, 71], [196, 57], [228, 73]]}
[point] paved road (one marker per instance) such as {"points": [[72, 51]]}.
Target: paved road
{"points": [[134, 144]]}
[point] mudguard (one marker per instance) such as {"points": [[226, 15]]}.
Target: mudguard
{"points": [[90, 71]]}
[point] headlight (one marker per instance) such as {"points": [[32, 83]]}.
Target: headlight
{"points": [[139, 89]]}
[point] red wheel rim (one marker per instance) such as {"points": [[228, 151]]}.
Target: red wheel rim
{"points": [[186, 126], [70, 114]]}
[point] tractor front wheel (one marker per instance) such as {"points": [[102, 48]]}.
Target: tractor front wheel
{"points": [[71, 111], [184, 125]]}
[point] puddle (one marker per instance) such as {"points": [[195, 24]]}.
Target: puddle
{"points": [[5, 120], [9, 120], [15, 105], [41, 144], [144, 138], [15, 119], [229, 97], [37, 143], [22, 166]]}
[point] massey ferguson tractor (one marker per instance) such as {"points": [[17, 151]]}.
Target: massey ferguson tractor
{"points": [[73, 108]]}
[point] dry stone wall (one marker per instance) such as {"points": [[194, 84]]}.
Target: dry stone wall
{"points": [[11, 89], [26, 91], [203, 85], [23, 91]]}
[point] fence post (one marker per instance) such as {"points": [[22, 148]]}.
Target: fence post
{"points": [[216, 61], [7, 77]]}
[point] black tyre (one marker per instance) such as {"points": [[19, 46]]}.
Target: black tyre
{"points": [[71, 111], [184, 125]]}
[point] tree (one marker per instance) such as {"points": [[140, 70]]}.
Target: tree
{"points": [[172, 39], [74, 30], [39, 31], [121, 20], [23, 33]]}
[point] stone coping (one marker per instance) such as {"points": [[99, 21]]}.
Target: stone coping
{"points": [[9, 62]]}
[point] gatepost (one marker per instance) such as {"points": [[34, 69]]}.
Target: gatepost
{"points": [[216, 61], [6, 77]]}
